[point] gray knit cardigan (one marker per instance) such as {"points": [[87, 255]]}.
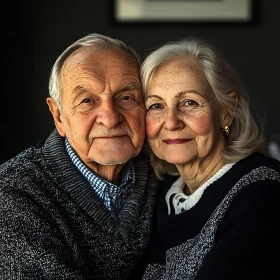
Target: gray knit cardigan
{"points": [[54, 226]]}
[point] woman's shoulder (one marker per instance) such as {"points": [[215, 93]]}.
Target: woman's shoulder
{"points": [[259, 187], [253, 164], [259, 172], [255, 185], [258, 160]]}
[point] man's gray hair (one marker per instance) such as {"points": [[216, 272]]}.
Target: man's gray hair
{"points": [[91, 40]]}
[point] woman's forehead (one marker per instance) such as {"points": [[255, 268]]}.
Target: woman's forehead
{"points": [[182, 76]]}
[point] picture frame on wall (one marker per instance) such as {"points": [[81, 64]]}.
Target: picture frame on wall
{"points": [[184, 11]]}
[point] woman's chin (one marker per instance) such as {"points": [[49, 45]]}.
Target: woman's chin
{"points": [[177, 160]]}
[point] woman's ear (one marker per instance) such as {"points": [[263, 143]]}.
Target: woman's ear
{"points": [[53, 107], [227, 117]]}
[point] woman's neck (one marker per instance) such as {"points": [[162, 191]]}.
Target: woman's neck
{"points": [[196, 173]]}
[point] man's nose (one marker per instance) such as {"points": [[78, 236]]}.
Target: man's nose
{"points": [[109, 114]]}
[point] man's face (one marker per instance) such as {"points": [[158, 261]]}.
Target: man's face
{"points": [[102, 109]]}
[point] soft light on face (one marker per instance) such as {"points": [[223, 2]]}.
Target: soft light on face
{"points": [[102, 109], [182, 120]]}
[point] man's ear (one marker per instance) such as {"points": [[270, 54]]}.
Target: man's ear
{"points": [[227, 117], [53, 107]]}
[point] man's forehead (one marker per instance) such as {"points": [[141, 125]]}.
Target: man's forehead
{"points": [[94, 60]]}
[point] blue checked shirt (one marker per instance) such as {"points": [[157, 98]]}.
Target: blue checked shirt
{"points": [[113, 196]]}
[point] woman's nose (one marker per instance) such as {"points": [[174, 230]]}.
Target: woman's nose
{"points": [[172, 120]]}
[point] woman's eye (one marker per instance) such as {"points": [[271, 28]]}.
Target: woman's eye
{"points": [[155, 106], [191, 103]]}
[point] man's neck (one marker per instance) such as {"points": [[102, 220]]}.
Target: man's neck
{"points": [[110, 173]]}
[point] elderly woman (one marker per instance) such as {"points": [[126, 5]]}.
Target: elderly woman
{"points": [[218, 219]]}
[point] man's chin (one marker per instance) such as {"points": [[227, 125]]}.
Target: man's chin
{"points": [[115, 156], [111, 162], [113, 159]]}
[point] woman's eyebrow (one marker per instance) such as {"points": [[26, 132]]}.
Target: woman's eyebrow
{"points": [[178, 95], [153, 96], [181, 93]]}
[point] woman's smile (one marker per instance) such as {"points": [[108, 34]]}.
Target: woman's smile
{"points": [[176, 141]]}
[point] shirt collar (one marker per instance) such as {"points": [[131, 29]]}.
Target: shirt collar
{"points": [[111, 194]]}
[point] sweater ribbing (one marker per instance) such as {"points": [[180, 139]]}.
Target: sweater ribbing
{"points": [[54, 226]]}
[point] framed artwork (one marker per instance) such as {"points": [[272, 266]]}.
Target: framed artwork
{"points": [[180, 11]]}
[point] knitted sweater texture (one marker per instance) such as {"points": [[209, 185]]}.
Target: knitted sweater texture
{"points": [[54, 226], [231, 233]]}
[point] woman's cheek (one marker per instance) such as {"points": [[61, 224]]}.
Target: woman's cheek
{"points": [[202, 125], [152, 128]]}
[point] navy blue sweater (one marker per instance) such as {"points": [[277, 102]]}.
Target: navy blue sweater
{"points": [[231, 233]]}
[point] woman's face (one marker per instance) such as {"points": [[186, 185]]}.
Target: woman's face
{"points": [[183, 119]]}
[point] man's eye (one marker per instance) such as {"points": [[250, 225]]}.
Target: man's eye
{"points": [[128, 102], [86, 100], [126, 97]]}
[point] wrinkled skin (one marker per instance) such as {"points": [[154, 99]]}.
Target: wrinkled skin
{"points": [[102, 114]]}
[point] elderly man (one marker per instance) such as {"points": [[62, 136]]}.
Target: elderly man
{"points": [[80, 206]]}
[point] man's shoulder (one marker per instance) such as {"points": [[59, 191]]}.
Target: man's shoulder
{"points": [[20, 167], [30, 158]]}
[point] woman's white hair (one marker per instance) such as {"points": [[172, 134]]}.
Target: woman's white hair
{"points": [[247, 129], [90, 40]]}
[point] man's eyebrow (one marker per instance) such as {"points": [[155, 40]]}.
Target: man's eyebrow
{"points": [[80, 89], [128, 88]]}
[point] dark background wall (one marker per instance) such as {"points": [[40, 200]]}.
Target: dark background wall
{"points": [[36, 32]]}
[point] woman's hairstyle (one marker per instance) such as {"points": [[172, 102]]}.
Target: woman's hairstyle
{"points": [[247, 129], [91, 40]]}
